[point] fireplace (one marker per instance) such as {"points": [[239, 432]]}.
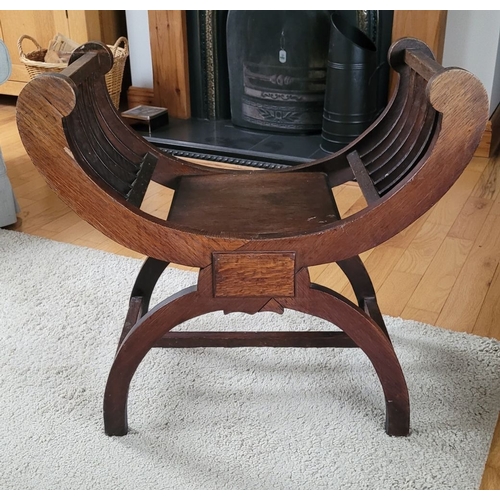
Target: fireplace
{"points": [[258, 83], [277, 69]]}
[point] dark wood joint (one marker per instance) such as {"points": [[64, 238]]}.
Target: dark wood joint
{"points": [[141, 183], [363, 177], [422, 63]]}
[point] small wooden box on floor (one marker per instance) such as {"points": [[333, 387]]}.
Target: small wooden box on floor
{"points": [[146, 117]]}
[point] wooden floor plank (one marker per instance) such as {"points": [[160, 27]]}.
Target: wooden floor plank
{"points": [[315, 272], [488, 186], [37, 216], [395, 292], [406, 236], [478, 164], [447, 209], [347, 197], [379, 265], [495, 209], [419, 315], [333, 277], [422, 249], [358, 205], [488, 321], [471, 218], [435, 286], [77, 230], [464, 302]]}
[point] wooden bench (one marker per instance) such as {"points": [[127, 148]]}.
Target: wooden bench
{"points": [[253, 234]]}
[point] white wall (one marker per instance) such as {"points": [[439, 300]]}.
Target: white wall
{"points": [[139, 49], [472, 41]]}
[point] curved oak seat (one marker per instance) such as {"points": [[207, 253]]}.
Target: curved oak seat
{"points": [[253, 234]]}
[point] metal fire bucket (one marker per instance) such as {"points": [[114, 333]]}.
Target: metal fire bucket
{"points": [[351, 85]]}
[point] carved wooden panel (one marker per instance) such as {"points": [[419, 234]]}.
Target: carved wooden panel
{"points": [[249, 274]]}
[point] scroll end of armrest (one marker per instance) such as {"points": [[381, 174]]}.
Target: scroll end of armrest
{"points": [[52, 89], [457, 91]]}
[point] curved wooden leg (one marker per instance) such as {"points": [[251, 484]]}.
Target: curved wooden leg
{"points": [[147, 278], [363, 288], [142, 337], [149, 329], [368, 335], [142, 290], [359, 278], [311, 299]]}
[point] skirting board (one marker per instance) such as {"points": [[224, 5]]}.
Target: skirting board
{"points": [[490, 140], [495, 131], [137, 96], [484, 149]]}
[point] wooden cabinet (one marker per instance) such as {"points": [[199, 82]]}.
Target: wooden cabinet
{"points": [[79, 25]]}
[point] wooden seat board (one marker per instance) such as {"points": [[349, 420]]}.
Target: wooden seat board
{"points": [[219, 204]]}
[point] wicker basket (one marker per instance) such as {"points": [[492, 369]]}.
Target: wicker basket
{"points": [[35, 64]]}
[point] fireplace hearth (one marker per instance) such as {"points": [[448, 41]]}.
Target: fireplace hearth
{"points": [[222, 141]]}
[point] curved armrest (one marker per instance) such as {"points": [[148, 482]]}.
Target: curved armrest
{"points": [[56, 111]]}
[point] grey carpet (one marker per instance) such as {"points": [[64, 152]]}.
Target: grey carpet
{"points": [[253, 418]]}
